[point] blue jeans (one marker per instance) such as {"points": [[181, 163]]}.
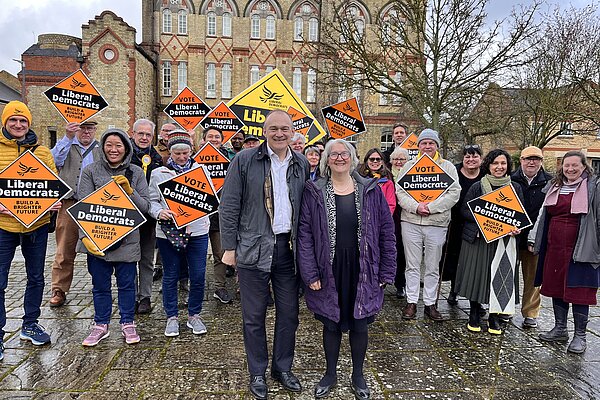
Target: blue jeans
{"points": [[33, 247], [101, 272], [195, 255]]}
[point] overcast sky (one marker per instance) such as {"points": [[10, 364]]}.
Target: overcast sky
{"points": [[21, 21]]}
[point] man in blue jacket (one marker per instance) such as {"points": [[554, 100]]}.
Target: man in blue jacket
{"points": [[258, 214]]}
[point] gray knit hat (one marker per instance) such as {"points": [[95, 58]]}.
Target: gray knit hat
{"points": [[429, 134]]}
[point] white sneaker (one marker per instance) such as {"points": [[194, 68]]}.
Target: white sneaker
{"points": [[172, 328], [196, 325]]}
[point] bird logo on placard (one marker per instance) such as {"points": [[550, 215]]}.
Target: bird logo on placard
{"points": [[269, 95], [348, 108], [425, 197], [182, 212], [501, 197], [108, 196], [75, 84], [187, 122], [24, 169]]}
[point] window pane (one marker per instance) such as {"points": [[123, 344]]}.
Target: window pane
{"points": [[226, 81], [211, 90], [313, 29], [270, 27], [297, 81], [167, 21], [254, 74], [255, 27], [298, 28], [181, 75], [166, 78], [269, 69], [211, 24], [226, 24], [182, 18], [311, 88]]}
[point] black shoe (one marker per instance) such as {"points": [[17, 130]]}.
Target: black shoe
{"points": [[144, 306], [288, 380], [258, 387], [401, 293], [323, 391], [157, 274], [452, 299], [230, 271], [361, 393]]}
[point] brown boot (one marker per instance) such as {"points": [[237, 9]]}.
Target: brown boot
{"points": [[58, 298], [432, 312], [410, 311]]}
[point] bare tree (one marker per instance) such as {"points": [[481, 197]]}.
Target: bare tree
{"points": [[445, 52]]}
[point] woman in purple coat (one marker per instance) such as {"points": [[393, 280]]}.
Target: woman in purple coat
{"points": [[346, 256]]}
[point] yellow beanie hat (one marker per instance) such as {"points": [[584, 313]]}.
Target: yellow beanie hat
{"points": [[13, 108]]}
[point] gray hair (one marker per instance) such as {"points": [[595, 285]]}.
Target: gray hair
{"points": [[180, 146], [143, 121], [298, 136], [399, 151], [325, 171]]}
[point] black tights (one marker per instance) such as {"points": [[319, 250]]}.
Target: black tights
{"points": [[358, 348]]}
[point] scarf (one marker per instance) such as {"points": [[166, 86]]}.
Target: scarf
{"points": [[579, 203], [331, 215], [436, 157], [179, 168], [489, 181]]}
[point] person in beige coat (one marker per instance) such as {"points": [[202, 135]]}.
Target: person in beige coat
{"points": [[424, 227]]}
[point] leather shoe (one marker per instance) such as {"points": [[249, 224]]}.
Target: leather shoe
{"points": [[58, 298], [409, 311], [432, 312], [258, 387], [361, 393], [288, 380], [323, 391], [452, 299]]}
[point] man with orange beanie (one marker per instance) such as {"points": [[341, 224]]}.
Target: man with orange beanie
{"points": [[17, 138]]}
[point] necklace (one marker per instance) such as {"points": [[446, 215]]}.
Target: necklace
{"points": [[346, 188]]}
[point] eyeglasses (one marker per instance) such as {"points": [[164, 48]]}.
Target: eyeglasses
{"points": [[532, 159], [344, 154], [398, 159], [374, 159]]}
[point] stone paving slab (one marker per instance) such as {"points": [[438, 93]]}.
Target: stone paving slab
{"points": [[411, 360]]}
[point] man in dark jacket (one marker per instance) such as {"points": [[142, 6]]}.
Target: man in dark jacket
{"points": [[532, 178], [258, 215], [399, 133], [146, 157]]}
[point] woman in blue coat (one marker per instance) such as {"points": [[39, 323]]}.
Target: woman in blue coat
{"points": [[346, 256]]}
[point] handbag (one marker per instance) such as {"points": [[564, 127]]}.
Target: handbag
{"points": [[177, 237]]}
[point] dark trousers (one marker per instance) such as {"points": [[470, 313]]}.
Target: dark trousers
{"points": [[254, 290], [400, 280], [33, 247]]}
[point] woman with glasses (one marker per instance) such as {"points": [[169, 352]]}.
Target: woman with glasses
{"points": [[346, 256], [469, 172], [398, 158], [373, 166], [313, 155]]}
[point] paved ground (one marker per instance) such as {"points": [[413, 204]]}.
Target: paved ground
{"points": [[406, 360]]}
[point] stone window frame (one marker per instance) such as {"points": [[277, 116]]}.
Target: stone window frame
{"points": [[254, 74], [182, 75], [167, 21], [182, 22], [298, 29], [102, 50], [255, 26], [166, 78], [227, 29], [304, 14], [226, 87], [270, 27], [313, 29], [211, 80], [211, 23]]}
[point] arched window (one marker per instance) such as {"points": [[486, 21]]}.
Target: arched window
{"points": [[313, 30], [255, 27], [298, 28], [359, 24], [270, 33], [311, 88], [211, 84], [167, 23], [181, 75], [254, 74], [211, 24], [182, 22], [227, 24], [166, 78], [226, 81]]}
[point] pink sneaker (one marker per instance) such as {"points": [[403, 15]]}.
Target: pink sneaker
{"points": [[128, 331], [99, 332]]}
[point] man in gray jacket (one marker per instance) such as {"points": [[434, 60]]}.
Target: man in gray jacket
{"points": [[424, 227], [258, 218]]}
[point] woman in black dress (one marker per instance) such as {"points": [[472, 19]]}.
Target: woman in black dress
{"points": [[346, 256]]}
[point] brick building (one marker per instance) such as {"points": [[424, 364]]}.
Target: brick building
{"points": [[216, 47]]}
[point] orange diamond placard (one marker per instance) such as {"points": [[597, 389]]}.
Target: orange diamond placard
{"points": [[190, 196], [107, 215], [28, 188], [76, 98], [425, 181], [187, 109], [499, 212], [215, 162], [223, 118], [301, 122], [411, 144], [344, 119]]}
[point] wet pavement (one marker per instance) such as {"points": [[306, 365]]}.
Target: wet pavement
{"points": [[419, 359]]}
